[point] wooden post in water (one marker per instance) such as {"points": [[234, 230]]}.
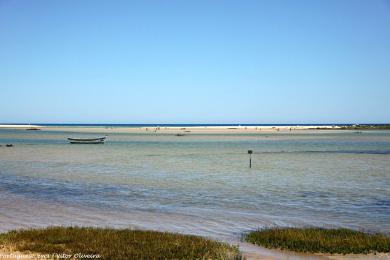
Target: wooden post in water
{"points": [[250, 158]]}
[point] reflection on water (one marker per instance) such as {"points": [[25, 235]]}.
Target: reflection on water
{"points": [[198, 184]]}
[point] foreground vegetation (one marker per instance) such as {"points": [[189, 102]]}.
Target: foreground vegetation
{"points": [[116, 244], [319, 240]]}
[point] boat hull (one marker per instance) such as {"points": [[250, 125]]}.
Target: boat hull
{"points": [[80, 142], [99, 140]]}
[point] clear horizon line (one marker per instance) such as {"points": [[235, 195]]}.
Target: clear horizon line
{"points": [[160, 123]]}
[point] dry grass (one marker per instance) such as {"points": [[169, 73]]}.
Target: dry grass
{"points": [[319, 240], [117, 244]]}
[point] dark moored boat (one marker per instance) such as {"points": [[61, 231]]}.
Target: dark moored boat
{"points": [[99, 140]]}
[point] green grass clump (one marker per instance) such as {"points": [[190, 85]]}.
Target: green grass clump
{"points": [[117, 243], [320, 240]]}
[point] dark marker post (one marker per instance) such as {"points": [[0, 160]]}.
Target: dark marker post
{"points": [[250, 158]]}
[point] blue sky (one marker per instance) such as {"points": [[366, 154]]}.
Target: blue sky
{"points": [[175, 61]]}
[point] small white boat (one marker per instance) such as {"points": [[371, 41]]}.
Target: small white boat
{"points": [[99, 140]]}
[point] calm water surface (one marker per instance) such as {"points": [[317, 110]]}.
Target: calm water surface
{"points": [[198, 184]]}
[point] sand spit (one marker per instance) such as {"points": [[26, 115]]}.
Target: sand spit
{"points": [[189, 129], [19, 126]]}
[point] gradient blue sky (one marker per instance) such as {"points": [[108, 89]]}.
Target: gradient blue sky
{"points": [[175, 61]]}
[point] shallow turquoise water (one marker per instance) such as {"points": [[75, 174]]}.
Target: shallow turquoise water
{"points": [[197, 184]]}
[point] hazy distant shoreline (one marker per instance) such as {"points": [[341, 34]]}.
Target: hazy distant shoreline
{"points": [[185, 124], [193, 128], [182, 129]]}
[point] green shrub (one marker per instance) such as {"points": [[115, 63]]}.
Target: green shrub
{"points": [[117, 243], [320, 240]]}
